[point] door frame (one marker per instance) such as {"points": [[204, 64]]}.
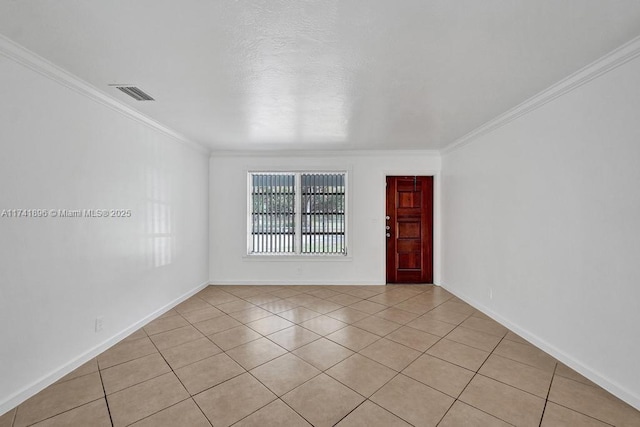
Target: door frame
{"points": [[437, 243]]}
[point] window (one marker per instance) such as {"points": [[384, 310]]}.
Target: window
{"points": [[293, 213]]}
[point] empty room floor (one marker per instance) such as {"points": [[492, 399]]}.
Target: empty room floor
{"points": [[323, 356]]}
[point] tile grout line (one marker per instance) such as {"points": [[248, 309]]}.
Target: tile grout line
{"points": [[546, 400], [518, 361], [572, 409], [201, 411], [422, 354], [121, 363], [104, 390], [13, 418], [476, 373], [177, 377], [55, 415], [279, 397], [512, 386], [170, 406], [357, 406], [581, 413], [15, 414]]}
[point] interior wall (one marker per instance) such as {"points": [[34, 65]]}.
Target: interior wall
{"points": [[365, 263], [63, 150], [542, 227]]}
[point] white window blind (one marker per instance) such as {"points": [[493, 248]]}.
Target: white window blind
{"points": [[297, 213]]}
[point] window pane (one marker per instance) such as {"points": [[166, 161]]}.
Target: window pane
{"points": [[322, 213], [273, 213]]}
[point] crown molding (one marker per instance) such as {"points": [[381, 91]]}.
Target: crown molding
{"points": [[324, 153], [31, 60], [608, 62]]}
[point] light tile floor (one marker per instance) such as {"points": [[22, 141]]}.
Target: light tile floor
{"points": [[323, 356]]}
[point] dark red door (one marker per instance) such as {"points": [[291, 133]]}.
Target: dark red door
{"points": [[409, 231]]}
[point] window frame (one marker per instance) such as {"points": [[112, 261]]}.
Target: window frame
{"points": [[297, 254]]}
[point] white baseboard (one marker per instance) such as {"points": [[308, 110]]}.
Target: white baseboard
{"points": [[611, 386], [295, 282], [39, 385]]}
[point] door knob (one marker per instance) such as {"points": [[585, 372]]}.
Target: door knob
{"points": [[388, 234], [388, 227], [388, 217]]}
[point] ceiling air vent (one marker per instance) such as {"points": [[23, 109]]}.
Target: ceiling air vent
{"points": [[134, 92]]}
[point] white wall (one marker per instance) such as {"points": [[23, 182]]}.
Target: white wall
{"points": [[366, 246], [545, 213], [62, 150]]}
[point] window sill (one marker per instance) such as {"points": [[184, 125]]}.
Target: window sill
{"points": [[297, 258]]}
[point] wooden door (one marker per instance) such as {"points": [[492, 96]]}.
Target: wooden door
{"points": [[409, 229]]}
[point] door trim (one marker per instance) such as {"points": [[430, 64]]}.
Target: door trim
{"points": [[437, 224]]}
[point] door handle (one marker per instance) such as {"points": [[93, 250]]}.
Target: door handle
{"points": [[388, 234], [388, 227]]}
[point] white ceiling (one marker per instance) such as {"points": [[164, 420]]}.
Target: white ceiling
{"points": [[325, 74]]}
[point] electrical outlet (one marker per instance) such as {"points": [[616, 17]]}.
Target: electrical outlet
{"points": [[99, 322]]}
